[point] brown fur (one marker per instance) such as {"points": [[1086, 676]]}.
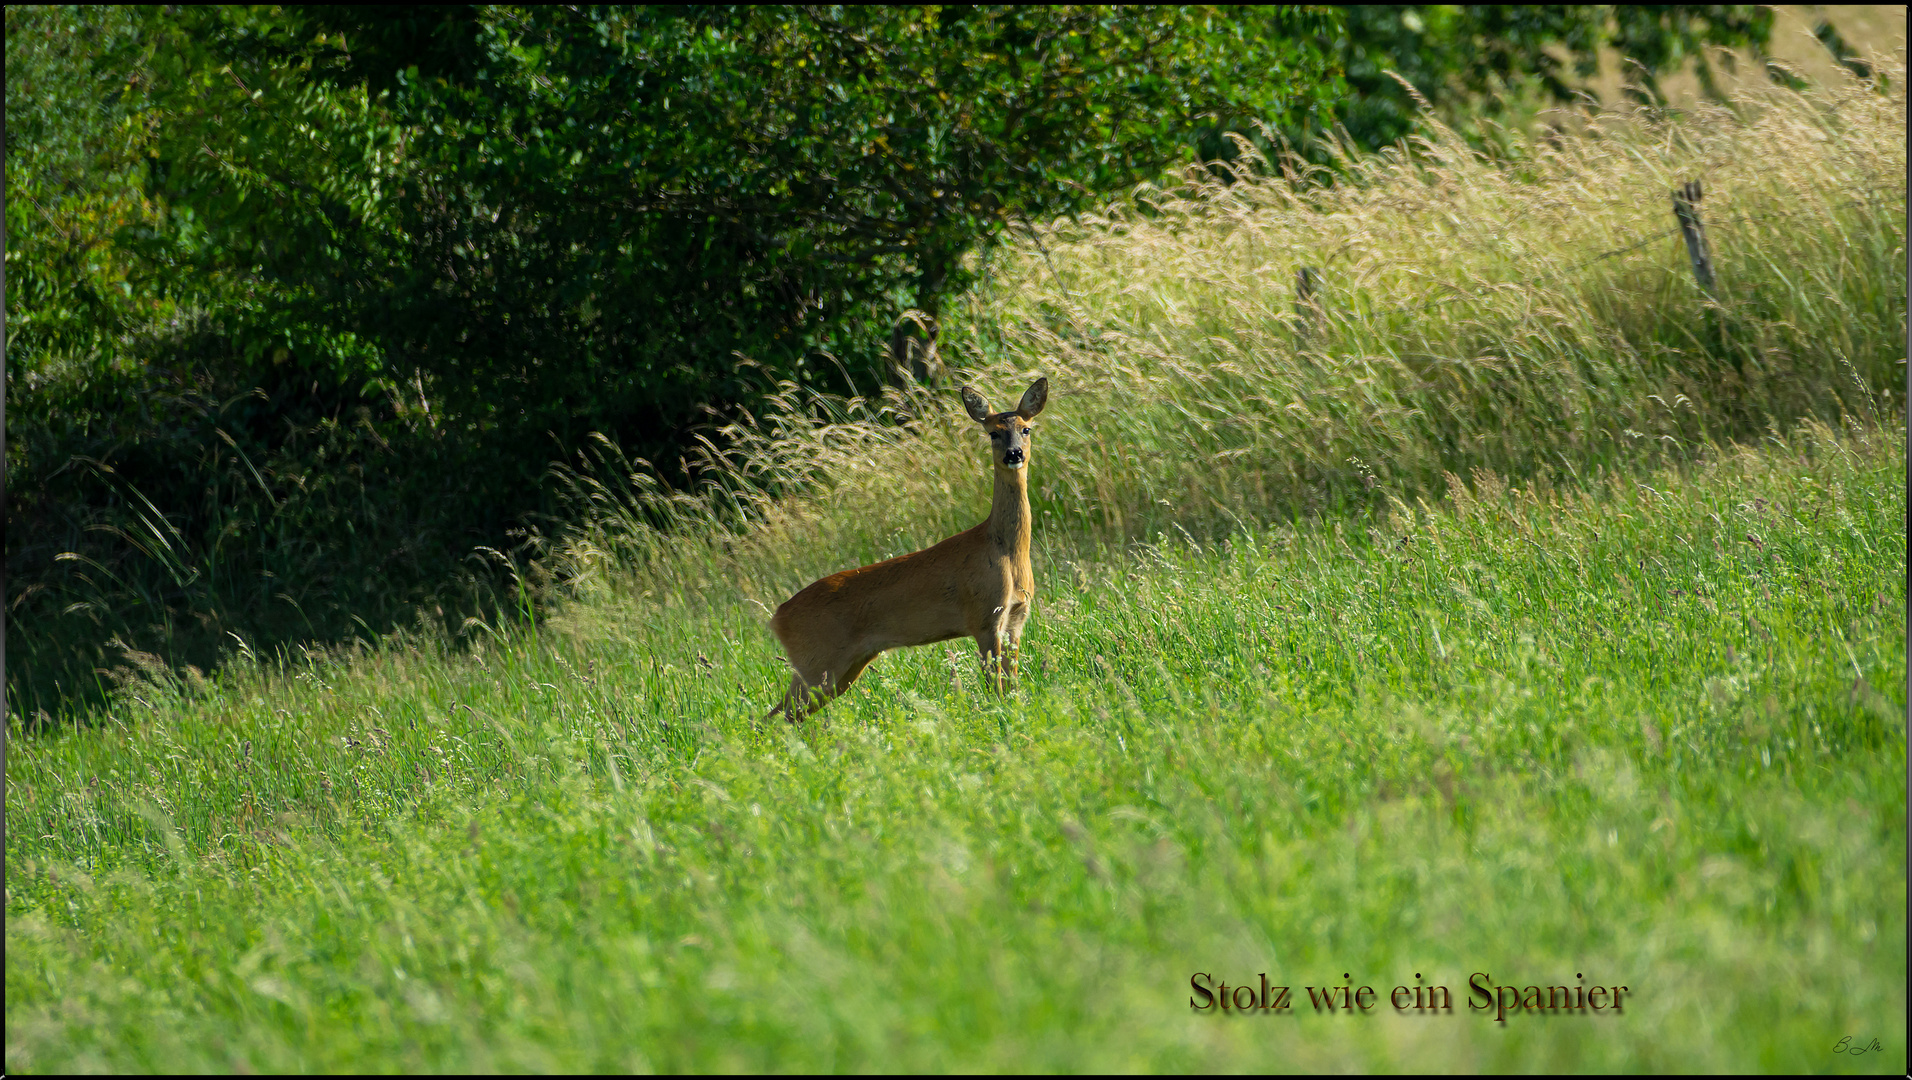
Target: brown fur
{"points": [[976, 584]]}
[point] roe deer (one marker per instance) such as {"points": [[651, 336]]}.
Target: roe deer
{"points": [[977, 584]]}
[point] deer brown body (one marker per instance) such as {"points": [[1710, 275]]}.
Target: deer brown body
{"points": [[976, 584]]}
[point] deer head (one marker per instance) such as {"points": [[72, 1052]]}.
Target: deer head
{"points": [[1009, 432]]}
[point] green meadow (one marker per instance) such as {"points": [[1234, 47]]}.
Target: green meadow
{"points": [[1650, 733], [1512, 614]]}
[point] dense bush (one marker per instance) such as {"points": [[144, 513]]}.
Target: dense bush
{"points": [[368, 271], [1471, 61]]}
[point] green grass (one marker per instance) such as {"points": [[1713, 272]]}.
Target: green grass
{"points": [[1534, 316], [1625, 704], [1649, 729]]}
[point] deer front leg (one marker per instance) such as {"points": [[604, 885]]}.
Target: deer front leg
{"points": [[804, 697], [991, 647], [995, 645], [1018, 615], [811, 692]]}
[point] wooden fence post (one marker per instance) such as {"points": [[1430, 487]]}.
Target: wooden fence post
{"points": [[1686, 207], [1307, 307], [913, 347]]}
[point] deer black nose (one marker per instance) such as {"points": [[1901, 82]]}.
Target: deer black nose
{"points": [[1012, 456]]}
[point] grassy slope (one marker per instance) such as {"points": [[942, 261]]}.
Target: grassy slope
{"points": [[1653, 734], [1535, 317]]}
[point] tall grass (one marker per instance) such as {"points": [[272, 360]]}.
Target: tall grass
{"points": [[1651, 733], [1371, 643], [1530, 315]]}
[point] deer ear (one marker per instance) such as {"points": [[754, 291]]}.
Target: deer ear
{"points": [[1034, 399], [973, 402]]}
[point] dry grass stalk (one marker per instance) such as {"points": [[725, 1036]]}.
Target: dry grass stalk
{"points": [[1530, 316]]}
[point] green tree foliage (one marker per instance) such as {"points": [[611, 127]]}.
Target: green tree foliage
{"points": [[1466, 56], [395, 260], [75, 141], [578, 220]]}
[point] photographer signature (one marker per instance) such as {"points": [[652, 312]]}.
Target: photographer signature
{"points": [[1848, 1046]]}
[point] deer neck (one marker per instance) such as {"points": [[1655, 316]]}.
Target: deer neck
{"points": [[1008, 526]]}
